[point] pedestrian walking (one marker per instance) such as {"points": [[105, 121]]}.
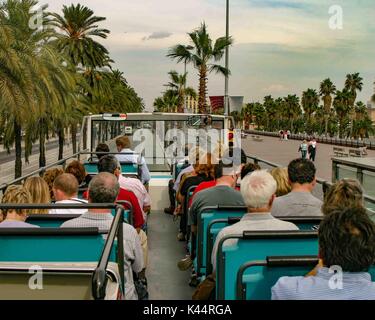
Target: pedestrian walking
{"points": [[312, 149], [303, 149]]}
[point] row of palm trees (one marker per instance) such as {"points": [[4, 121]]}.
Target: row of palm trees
{"points": [[53, 74], [339, 114]]}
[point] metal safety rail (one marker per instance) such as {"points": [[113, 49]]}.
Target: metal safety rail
{"points": [[324, 183], [326, 140], [41, 171]]}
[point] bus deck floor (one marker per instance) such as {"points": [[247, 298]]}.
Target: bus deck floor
{"points": [[165, 280]]}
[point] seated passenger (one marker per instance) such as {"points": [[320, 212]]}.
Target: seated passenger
{"points": [[39, 192], [123, 145], [15, 218], [104, 188], [174, 185], [101, 147], [300, 201], [282, 180], [347, 250], [203, 171], [258, 191], [49, 176], [77, 169], [111, 165], [248, 168], [344, 193], [135, 185], [223, 194], [65, 190]]}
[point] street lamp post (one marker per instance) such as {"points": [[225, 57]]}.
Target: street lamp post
{"points": [[226, 97]]}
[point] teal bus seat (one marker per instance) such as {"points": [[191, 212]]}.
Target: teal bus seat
{"points": [[256, 278], [52, 245], [204, 217], [50, 220], [127, 168], [235, 250], [215, 226]]}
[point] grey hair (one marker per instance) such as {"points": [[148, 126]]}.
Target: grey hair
{"points": [[104, 188]]}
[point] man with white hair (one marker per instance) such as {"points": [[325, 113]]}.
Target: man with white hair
{"points": [[258, 191]]}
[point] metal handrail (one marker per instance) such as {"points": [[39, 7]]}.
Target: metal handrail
{"points": [[99, 279], [40, 171], [326, 140], [325, 184]]}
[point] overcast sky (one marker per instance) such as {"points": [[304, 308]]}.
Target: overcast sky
{"points": [[280, 46]]}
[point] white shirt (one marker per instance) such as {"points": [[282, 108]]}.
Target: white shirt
{"points": [[129, 156], [69, 211], [136, 186]]}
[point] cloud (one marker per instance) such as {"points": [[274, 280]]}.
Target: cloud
{"points": [[158, 35], [277, 87]]}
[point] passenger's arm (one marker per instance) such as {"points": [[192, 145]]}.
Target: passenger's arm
{"points": [[146, 177], [138, 262]]}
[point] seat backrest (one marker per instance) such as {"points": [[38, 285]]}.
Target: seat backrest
{"points": [[59, 281], [204, 217], [216, 225], [50, 220], [256, 278], [52, 244], [234, 250], [126, 168]]}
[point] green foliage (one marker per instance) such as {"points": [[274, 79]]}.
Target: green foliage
{"points": [[54, 74], [203, 53]]}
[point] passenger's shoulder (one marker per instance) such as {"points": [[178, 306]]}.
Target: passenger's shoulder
{"points": [[286, 288]]}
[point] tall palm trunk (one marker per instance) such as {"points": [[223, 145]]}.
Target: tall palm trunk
{"points": [[42, 143], [202, 104], [18, 146], [73, 131], [61, 141]]}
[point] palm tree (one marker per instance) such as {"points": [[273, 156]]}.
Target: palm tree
{"points": [[33, 79], [362, 126], [310, 103], [204, 50], [271, 111], [327, 89], [178, 83], [353, 83], [292, 108], [342, 106], [168, 102], [78, 26]]}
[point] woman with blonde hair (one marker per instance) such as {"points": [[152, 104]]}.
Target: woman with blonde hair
{"points": [[39, 191], [15, 218], [282, 180], [344, 193]]}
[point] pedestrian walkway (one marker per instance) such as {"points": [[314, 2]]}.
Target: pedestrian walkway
{"points": [[282, 152]]}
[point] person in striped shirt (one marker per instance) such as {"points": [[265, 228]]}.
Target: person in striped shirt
{"points": [[347, 250]]}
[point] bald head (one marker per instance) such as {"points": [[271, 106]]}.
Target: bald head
{"points": [[103, 188]]}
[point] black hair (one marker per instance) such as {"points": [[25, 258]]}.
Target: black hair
{"points": [[101, 147], [301, 171], [247, 168], [347, 239], [108, 163]]}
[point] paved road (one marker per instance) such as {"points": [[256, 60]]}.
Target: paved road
{"points": [[282, 152], [7, 167]]}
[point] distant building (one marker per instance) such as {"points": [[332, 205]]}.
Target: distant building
{"points": [[217, 104]]}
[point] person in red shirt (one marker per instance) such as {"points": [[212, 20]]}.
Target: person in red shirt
{"points": [[110, 164]]}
